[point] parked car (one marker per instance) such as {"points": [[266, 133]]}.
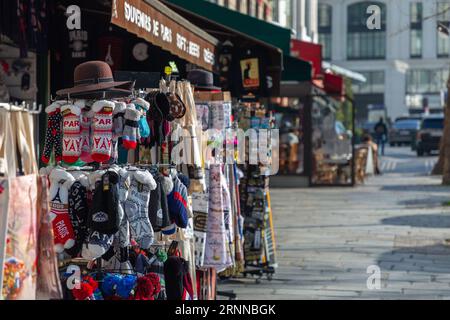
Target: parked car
{"points": [[404, 131], [429, 135]]}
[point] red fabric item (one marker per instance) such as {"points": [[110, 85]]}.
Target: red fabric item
{"points": [[86, 290], [64, 236], [102, 135], [179, 197], [187, 283], [148, 287], [71, 137]]}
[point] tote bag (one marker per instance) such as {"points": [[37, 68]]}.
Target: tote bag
{"points": [[18, 208]]}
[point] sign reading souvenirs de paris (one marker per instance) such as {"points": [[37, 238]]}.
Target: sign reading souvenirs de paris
{"points": [[159, 28]]}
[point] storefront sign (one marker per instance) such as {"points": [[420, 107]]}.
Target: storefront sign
{"points": [[146, 21], [250, 73]]}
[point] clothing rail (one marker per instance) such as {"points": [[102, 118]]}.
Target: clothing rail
{"points": [[30, 108]]}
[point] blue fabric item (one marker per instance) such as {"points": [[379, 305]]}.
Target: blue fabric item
{"points": [[98, 295], [169, 230], [144, 129], [109, 283], [142, 264], [177, 203], [123, 155], [184, 180], [125, 286]]}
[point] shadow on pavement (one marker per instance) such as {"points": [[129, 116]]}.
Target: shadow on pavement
{"points": [[433, 258], [417, 188], [420, 220], [423, 203]]}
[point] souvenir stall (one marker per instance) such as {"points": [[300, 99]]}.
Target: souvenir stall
{"points": [[315, 115], [130, 228], [249, 67], [117, 207], [132, 200]]}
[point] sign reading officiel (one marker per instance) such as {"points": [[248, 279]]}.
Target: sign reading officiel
{"points": [[146, 21]]}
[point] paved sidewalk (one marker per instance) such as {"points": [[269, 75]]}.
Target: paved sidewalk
{"points": [[327, 238]]}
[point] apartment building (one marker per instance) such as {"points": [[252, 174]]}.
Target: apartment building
{"points": [[405, 59], [261, 9]]}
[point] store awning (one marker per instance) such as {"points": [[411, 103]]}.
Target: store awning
{"points": [[296, 77], [223, 30], [311, 52], [344, 72], [159, 25], [334, 85], [264, 31], [296, 69]]}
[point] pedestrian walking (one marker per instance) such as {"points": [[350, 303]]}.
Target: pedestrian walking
{"points": [[381, 132]]}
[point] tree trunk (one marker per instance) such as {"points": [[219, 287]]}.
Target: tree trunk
{"points": [[439, 166], [446, 140]]}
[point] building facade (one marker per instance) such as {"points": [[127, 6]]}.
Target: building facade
{"points": [[400, 51], [298, 15], [261, 9]]}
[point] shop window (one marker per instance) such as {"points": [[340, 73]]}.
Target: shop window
{"points": [[325, 29], [374, 83], [289, 116], [443, 41], [332, 149], [362, 42], [416, 30], [422, 81]]}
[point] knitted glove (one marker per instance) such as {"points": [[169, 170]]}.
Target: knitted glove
{"points": [[71, 133], [131, 129], [102, 130], [118, 119], [59, 214], [103, 215], [136, 208], [53, 133], [123, 234], [78, 211]]}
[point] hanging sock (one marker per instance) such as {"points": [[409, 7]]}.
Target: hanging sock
{"points": [[71, 133], [131, 129], [53, 133], [102, 130], [86, 121], [143, 106], [136, 208]]}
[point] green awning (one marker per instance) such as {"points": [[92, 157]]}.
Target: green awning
{"points": [[296, 70], [256, 28]]}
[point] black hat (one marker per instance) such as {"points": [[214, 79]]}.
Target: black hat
{"points": [[202, 79]]}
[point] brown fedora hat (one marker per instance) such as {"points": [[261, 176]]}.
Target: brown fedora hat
{"points": [[94, 76]]}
